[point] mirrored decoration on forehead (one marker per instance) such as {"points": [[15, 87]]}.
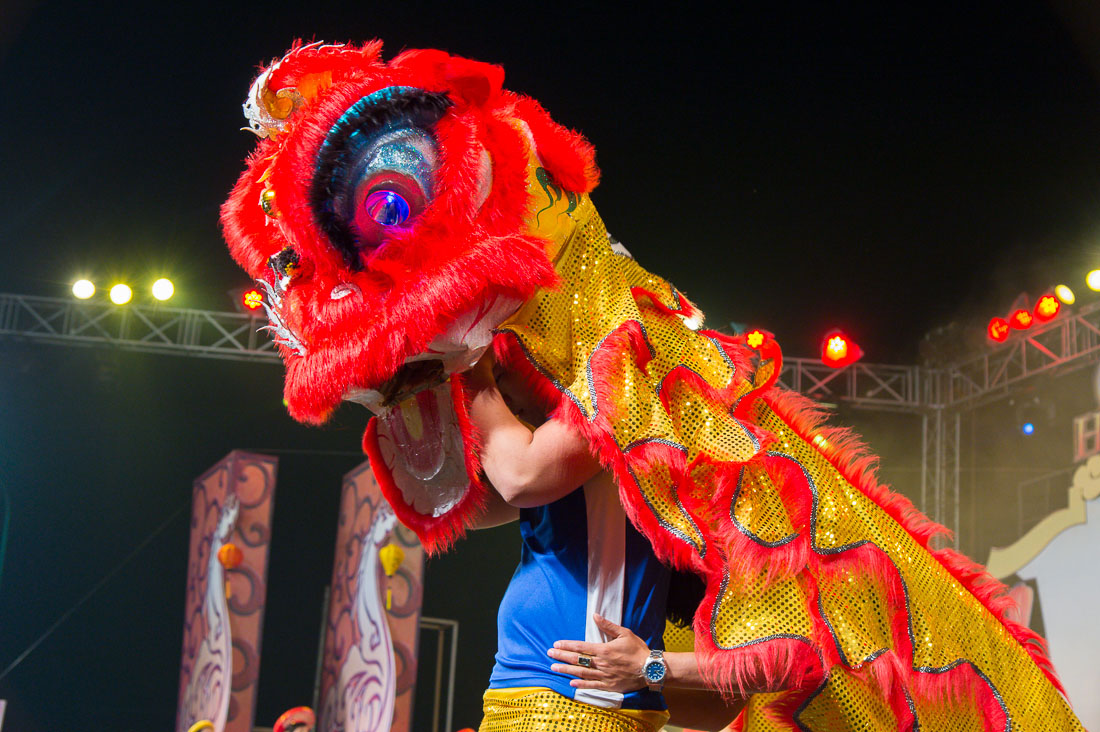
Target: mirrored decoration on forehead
{"points": [[375, 171]]}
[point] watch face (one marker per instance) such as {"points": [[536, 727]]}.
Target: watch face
{"points": [[654, 671]]}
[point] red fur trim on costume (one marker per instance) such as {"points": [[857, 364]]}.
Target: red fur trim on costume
{"points": [[338, 61], [993, 594], [769, 351], [962, 685], [738, 353], [869, 564], [682, 375], [748, 558], [846, 452], [569, 158], [627, 341], [779, 663], [252, 236], [687, 308], [356, 347], [473, 83], [852, 458]]}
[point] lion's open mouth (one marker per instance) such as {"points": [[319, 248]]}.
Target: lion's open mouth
{"points": [[420, 442]]}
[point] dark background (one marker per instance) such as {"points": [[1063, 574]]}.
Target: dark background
{"points": [[889, 168]]}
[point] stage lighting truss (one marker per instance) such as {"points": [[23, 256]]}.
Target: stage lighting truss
{"points": [[137, 326]]}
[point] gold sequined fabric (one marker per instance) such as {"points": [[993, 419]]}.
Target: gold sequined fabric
{"points": [[804, 557], [678, 639], [542, 710]]}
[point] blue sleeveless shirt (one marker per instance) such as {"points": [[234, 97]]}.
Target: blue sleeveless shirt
{"points": [[580, 556]]}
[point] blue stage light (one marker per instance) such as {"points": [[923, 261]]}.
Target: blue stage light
{"points": [[1027, 428]]}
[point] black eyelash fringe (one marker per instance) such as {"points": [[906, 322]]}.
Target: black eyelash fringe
{"points": [[416, 107]]}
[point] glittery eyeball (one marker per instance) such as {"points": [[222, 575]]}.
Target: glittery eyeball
{"points": [[267, 202], [388, 208]]}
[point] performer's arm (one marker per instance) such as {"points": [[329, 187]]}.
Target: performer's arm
{"points": [[526, 468], [497, 512]]}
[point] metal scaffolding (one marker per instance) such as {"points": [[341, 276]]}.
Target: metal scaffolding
{"points": [[938, 396], [939, 479], [1067, 342], [136, 327], [867, 385]]}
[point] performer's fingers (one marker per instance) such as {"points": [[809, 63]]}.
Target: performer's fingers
{"points": [[581, 672], [585, 684], [578, 647], [608, 627], [571, 657]]}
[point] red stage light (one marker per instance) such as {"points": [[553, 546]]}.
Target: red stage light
{"points": [[1047, 307], [998, 329], [1021, 319], [838, 350], [755, 338], [252, 299]]}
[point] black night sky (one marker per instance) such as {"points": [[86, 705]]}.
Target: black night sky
{"points": [[884, 167]]}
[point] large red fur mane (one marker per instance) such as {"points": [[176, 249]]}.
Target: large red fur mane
{"points": [[458, 252]]}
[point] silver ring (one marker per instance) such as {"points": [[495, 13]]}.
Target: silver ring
{"points": [[583, 659]]}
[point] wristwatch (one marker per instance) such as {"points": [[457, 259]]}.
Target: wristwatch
{"points": [[654, 669]]}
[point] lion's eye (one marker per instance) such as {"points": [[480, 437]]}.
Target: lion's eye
{"points": [[376, 170], [391, 182], [381, 204], [388, 208]]}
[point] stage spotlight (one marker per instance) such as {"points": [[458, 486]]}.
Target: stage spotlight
{"points": [[83, 289], [163, 289], [252, 299], [1047, 307], [1063, 293], [121, 294], [1021, 319], [838, 350], [1028, 428], [998, 329], [1092, 279]]}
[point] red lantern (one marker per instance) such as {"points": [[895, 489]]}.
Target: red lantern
{"points": [[838, 350], [998, 329], [1021, 319], [1047, 307]]}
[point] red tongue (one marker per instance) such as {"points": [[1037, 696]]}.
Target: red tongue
{"points": [[418, 432]]}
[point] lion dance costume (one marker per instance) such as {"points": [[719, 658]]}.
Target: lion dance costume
{"points": [[406, 216]]}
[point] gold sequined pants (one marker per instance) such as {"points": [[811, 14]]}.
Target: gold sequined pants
{"points": [[534, 709]]}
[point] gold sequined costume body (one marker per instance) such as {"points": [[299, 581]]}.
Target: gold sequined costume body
{"points": [[820, 583], [814, 572]]}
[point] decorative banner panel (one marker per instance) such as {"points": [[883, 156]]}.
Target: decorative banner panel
{"points": [[369, 669], [226, 590]]}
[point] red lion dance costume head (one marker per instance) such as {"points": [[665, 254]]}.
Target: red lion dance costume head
{"points": [[406, 216]]}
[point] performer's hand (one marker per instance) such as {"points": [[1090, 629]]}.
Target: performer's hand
{"points": [[616, 665]]}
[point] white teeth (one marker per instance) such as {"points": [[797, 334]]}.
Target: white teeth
{"points": [[343, 290]]}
